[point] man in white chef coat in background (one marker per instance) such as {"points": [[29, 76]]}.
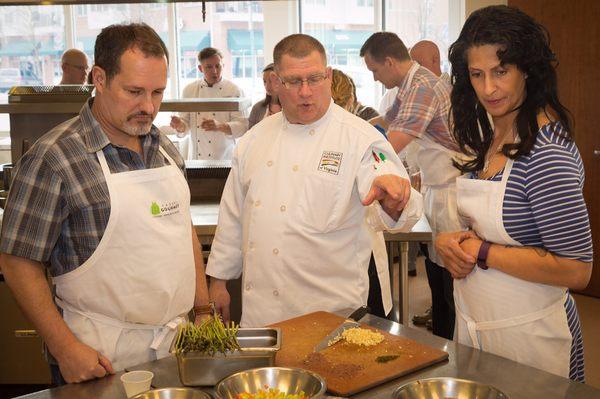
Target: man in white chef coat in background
{"points": [[211, 134], [292, 214], [101, 201]]}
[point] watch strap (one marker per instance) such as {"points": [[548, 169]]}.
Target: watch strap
{"points": [[482, 256]]}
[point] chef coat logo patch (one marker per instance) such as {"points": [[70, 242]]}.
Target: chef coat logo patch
{"points": [[330, 162], [164, 209]]}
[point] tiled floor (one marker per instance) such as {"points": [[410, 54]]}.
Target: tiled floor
{"points": [[589, 309]]}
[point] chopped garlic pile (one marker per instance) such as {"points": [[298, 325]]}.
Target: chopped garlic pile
{"points": [[362, 336]]}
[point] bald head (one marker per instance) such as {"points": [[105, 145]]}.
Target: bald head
{"points": [[74, 65], [427, 54]]}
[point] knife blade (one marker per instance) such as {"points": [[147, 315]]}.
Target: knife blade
{"points": [[350, 322]]}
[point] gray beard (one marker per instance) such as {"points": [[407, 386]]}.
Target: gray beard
{"points": [[137, 129]]}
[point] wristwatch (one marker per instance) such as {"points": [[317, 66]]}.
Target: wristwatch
{"points": [[205, 309], [484, 249]]}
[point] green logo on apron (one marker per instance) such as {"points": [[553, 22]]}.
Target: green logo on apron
{"points": [[154, 208]]}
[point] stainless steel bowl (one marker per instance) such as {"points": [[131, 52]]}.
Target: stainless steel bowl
{"points": [[447, 388], [287, 380], [173, 393]]}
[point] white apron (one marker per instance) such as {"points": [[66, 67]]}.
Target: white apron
{"points": [[438, 177], [498, 313], [127, 299]]}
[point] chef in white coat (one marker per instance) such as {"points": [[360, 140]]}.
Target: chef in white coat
{"points": [[212, 134], [420, 114], [102, 202], [291, 218]]}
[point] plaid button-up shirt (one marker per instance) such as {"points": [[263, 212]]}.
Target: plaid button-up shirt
{"points": [[421, 108], [58, 206]]}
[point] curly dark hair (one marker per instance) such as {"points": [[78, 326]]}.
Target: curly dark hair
{"points": [[524, 43]]}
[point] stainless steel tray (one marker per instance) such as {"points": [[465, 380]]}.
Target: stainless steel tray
{"points": [[258, 349]]}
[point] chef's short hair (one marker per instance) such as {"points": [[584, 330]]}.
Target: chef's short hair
{"points": [[114, 40], [208, 52], [298, 46], [384, 44]]}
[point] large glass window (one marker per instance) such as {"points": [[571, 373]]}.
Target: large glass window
{"points": [[415, 20], [343, 30], [89, 19], [32, 38], [236, 29]]}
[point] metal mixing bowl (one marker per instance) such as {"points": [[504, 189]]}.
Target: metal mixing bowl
{"points": [[447, 388], [173, 393], [287, 380]]}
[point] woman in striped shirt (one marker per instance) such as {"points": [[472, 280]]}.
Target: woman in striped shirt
{"points": [[528, 240]]}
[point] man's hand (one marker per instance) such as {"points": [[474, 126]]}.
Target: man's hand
{"points": [[178, 124], [455, 259], [198, 319], [211, 124], [219, 295], [78, 362], [392, 192]]}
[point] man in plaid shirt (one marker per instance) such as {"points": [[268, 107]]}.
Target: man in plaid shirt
{"points": [[102, 203], [420, 112]]}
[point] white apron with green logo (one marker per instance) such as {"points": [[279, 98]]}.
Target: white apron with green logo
{"points": [[127, 299]]}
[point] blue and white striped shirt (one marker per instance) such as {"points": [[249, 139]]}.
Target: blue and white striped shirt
{"points": [[543, 207]]}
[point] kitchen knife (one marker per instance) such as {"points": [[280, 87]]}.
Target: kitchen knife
{"points": [[350, 322]]}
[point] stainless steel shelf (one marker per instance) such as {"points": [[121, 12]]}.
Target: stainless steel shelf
{"points": [[182, 105]]}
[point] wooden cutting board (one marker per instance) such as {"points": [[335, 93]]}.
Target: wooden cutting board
{"points": [[349, 368]]}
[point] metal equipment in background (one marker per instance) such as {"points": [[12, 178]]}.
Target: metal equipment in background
{"points": [[33, 120]]}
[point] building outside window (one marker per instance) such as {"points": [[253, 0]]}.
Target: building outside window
{"points": [[32, 38], [236, 29]]}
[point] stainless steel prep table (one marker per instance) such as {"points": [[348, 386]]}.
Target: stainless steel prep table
{"points": [[516, 380], [205, 218]]}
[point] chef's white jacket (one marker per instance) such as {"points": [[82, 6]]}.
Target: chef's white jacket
{"points": [[213, 144], [291, 217]]}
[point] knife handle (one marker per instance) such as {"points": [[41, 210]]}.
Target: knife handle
{"points": [[359, 313]]}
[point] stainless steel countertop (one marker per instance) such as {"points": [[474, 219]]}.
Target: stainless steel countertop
{"points": [[515, 380], [167, 105], [205, 218]]}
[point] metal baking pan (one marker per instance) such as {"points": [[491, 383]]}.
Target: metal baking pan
{"points": [[258, 349]]}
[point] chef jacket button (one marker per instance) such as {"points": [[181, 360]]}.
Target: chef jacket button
{"points": [[312, 132], [257, 203], [275, 293], [295, 168], [269, 163], [213, 114], [275, 251], [248, 286], [209, 141], [209, 155], [282, 208]]}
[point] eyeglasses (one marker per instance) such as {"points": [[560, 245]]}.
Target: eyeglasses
{"points": [[311, 81], [81, 68]]}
